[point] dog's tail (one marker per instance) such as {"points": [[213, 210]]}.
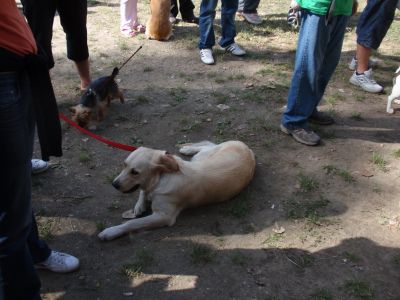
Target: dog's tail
{"points": [[114, 73]]}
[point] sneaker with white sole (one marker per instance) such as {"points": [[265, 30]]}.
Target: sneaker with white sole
{"points": [[206, 56], [59, 262], [366, 82], [235, 49], [372, 63], [39, 166], [302, 135], [252, 18]]}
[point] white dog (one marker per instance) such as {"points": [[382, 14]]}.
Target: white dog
{"points": [[395, 95], [216, 173]]}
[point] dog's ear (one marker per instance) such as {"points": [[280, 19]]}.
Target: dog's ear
{"points": [[72, 109], [167, 164]]}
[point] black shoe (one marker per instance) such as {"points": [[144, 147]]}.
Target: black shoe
{"points": [[193, 19], [321, 118]]}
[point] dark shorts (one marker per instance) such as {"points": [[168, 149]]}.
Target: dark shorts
{"points": [[374, 22], [40, 16]]}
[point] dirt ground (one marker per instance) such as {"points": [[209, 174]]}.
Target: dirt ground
{"points": [[315, 223]]}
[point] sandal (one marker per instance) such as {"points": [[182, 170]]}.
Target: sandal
{"points": [[128, 33], [139, 28]]}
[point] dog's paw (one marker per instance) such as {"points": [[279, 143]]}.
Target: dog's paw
{"points": [[187, 149], [109, 233], [138, 210]]}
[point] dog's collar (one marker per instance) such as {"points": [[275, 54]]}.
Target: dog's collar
{"points": [[91, 91]]}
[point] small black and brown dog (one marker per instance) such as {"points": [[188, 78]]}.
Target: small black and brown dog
{"points": [[96, 98]]}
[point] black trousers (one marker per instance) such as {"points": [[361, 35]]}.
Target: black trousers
{"points": [[185, 8], [40, 15]]}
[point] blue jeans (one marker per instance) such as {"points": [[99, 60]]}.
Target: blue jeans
{"points": [[18, 277], [318, 52], [206, 23], [374, 22], [248, 6]]}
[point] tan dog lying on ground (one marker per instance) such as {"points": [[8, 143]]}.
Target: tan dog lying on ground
{"points": [[159, 27], [216, 173]]}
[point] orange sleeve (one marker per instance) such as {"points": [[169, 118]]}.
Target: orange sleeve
{"points": [[15, 34]]}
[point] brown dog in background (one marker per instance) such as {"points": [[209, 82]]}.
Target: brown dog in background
{"points": [[170, 184], [159, 27]]}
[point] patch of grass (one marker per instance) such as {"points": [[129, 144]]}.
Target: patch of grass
{"points": [[358, 288], [344, 174], [253, 95], [148, 69], [321, 294], [100, 226], [136, 141], [356, 116], [114, 206], [202, 254], [306, 184], [84, 156], [302, 261], [396, 153], [220, 97], [123, 46], [239, 259], [273, 239], [309, 210], [240, 206], [222, 126], [220, 80], [378, 161], [178, 94], [359, 98], [143, 259], [141, 99], [45, 226], [237, 77], [195, 126], [351, 257]]}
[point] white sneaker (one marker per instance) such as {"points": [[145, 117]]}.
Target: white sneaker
{"points": [[39, 166], [234, 49], [366, 82], [59, 262], [253, 18], [206, 56]]}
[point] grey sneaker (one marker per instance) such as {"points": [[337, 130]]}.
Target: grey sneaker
{"points": [[302, 135], [321, 118], [253, 18], [235, 49], [39, 166], [366, 82], [59, 262], [372, 63]]}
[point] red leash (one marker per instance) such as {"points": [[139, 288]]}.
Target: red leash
{"points": [[97, 137]]}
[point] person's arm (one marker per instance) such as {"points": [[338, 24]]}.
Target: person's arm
{"points": [[355, 7]]}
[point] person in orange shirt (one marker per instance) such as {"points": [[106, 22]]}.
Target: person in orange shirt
{"points": [[26, 99]]}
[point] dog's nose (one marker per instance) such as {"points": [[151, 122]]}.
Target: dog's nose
{"points": [[116, 184]]}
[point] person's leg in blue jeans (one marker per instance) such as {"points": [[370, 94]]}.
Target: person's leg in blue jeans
{"points": [[206, 24], [18, 277], [317, 55], [228, 11]]}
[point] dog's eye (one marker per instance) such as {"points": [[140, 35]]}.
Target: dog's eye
{"points": [[134, 172]]}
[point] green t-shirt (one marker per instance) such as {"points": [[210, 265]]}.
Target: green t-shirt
{"points": [[320, 7]]}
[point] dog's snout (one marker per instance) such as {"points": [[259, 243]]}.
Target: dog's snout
{"points": [[116, 184]]}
